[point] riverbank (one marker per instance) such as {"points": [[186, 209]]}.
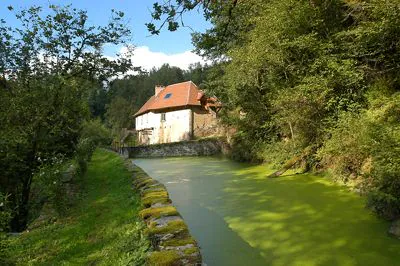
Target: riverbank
{"points": [[170, 238], [104, 227]]}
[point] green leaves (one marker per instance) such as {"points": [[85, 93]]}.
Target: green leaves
{"points": [[48, 66]]}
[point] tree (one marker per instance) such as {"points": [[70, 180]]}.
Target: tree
{"points": [[229, 19], [119, 115], [197, 73], [98, 99], [289, 73], [47, 66]]}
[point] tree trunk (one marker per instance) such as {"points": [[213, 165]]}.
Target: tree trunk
{"points": [[289, 164], [20, 220]]}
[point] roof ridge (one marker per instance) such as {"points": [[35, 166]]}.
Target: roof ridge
{"points": [[179, 83]]}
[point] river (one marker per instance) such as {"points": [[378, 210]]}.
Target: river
{"points": [[239, 217]]}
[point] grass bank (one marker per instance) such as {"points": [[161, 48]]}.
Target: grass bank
{"points": [[103, 228]]}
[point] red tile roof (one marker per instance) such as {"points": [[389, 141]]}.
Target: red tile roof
{"points": [[181, 95]]}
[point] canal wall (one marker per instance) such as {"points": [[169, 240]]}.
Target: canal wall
{"points": [[168, 233], [203, 147]]}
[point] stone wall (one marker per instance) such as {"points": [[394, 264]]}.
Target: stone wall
{"points": [[167, 231], [205, 122], [204, 147]]}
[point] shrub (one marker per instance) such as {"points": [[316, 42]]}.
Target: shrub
{"points": [[48, 186], [5, 212], [385, 149], [384, 204], [55, 178], [244, 148], [96, 132], [367, 146], [348, 147], [5, 217], [4, 250], [84, 151]]}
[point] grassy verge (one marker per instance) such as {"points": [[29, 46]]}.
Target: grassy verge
{"points": [[103, 229]]}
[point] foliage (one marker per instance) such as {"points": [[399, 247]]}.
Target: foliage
{"points": [[102, 228], [119, 115], [97, 132], [5, 217], [5, 250], [58, 179], [47, 187], [49, 62], [98, 99], [307, 75], [367, 145], [84, 151], [347, 150], [5, 212]]}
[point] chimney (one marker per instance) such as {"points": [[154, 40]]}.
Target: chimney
{"points": [[158, 89]]}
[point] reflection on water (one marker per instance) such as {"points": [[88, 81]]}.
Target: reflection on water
{"points": [[239, 217]]}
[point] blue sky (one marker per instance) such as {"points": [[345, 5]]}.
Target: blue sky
{"points": [[168, 47]]}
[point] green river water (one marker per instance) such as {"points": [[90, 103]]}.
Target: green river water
{"points": [[239, 217]]}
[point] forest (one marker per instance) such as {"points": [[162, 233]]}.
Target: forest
{"points": [[313, 84]]}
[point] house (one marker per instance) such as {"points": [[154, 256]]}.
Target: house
{"points": [[175, 113]]}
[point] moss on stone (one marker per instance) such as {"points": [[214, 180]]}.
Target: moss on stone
{"points": [[158, 212], [164, 258], [171, 228], [148, 201], [155, 194], [138, 180], [146, 182], [158, 196], [189, 251], [178, 242], [153, 188], [141, 174]]}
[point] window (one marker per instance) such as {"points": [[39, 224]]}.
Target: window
{"points": [[162, 117], [168, 95]]}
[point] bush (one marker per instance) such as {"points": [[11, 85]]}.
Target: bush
{"points": [[385, 182], [5, 217], [84, 152], [348, 148], [96, 132], [384, 204], [366, 146], [57, 179], [4, 250], [244, 149], [5, 212], [47, 187]]}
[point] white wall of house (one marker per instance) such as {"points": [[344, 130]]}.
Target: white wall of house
{"points": [[147, 120], [176, 126]]}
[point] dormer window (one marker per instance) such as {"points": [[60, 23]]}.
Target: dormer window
{"points": [[168, 95]]}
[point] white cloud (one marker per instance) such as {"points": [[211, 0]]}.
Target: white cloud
{"points": [[147, 59]]}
